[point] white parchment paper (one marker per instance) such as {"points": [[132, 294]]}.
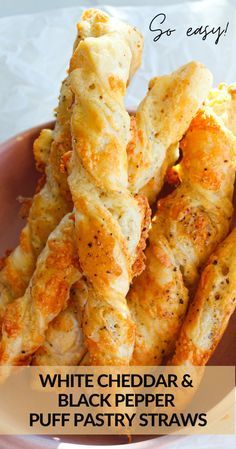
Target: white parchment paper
{"points": [[34, 52]]}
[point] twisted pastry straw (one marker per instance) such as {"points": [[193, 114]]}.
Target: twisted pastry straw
{"points": [[15, 348], [223, 101], [208, 315], [96, 23], [161, 119], [53, 201], [64, 341], [187, 227], [49, 205], [173, 101], [210, 311], [26, 319], [108, 219]]}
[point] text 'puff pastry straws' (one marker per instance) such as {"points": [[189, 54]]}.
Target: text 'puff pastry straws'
{"points": [[108, 219], [188, 225]]}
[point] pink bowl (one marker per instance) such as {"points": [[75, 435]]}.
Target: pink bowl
{"points": [[18, 177]]}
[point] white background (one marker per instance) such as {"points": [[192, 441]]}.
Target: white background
{"points": [[35, 43], [35, 48], [10, 7]]}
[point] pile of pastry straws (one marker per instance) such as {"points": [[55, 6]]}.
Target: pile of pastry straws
{"points": [[97, 278]]}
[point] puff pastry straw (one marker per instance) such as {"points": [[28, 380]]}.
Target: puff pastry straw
{"points": [[117, 72], [64, 343], [166, 111], [210, 311], [49, 205], [223, 101], [53, 200], [161, 120], [26, 319], [188, 225], [108, 219]]}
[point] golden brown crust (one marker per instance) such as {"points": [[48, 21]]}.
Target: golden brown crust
{"points": [[194, 75], [25, 205], [210, 170], [52, 199], [198, 228], [64, 341], [161, 120], [26, 319], [99, 241], [109, 219], [223, 102], [211, 308], [97, 23], [139, 264], [42, 148], [50, 203], [161, 251], [186, 229], [158, 301]]}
